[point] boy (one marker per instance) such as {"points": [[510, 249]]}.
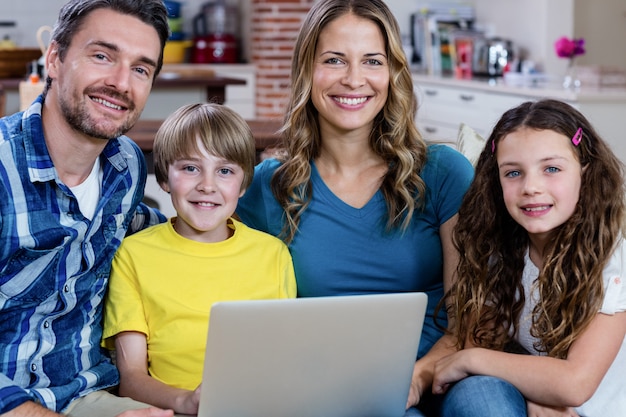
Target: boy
{"points": [[165, 278]]}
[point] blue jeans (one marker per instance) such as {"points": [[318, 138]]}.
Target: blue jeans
{"points": [[483, 396], [428, 407], [413, 412]]}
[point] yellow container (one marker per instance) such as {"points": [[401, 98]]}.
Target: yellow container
{"points": [[175, 51]]}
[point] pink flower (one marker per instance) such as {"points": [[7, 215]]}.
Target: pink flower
{"points": [[569, 48]]}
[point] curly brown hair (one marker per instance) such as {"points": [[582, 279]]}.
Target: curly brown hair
{"points": [[394, 136], [488, 296]]}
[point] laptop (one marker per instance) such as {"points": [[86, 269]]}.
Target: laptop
{"points": [[345, 356]]}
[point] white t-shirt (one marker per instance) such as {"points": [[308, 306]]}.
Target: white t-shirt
{"points": [[88, 192], [609, 400]]}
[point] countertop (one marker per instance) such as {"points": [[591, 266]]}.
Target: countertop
{"points": [[550, 88], [171, 79], [178, 77], [265, 133]]}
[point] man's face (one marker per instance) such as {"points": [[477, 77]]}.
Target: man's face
{"points": [[106, 76]]}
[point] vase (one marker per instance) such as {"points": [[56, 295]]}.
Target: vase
{"points": [[571, 80]]}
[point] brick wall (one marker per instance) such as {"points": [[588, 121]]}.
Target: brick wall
{"points": [[274, 28]]}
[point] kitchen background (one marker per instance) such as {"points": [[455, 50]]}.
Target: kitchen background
{"points": [[533, 25], [266, 29]]}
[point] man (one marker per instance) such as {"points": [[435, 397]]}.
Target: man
{"points": [[70, 189]]}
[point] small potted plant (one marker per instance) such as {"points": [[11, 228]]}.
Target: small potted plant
{"points": [[570, 49]]}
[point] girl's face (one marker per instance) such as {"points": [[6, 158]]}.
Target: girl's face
{"points": [[350, 74], [541, 177], [205, 190]]}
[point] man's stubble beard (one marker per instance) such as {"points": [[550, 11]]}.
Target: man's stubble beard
{"points": [[80, 120]]}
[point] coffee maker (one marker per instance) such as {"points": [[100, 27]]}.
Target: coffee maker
{"points": [[432, 30], [215, 34], [492, 57]]}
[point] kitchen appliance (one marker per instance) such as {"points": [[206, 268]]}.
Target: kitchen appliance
{"points": [[492, 56], [215, 34], [432, 34], [215, 48]]}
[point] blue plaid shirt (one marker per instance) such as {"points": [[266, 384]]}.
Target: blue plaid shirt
{"points": [[54, 265]]}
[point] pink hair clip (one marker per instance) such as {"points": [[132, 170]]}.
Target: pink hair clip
{"points": [[493, 146], [578, 136]]}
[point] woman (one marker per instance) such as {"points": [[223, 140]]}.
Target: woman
{"points": [[363, 203]]}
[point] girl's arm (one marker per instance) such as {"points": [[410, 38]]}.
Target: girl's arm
{"points": [[424, 368], [538, 410], [554, 382], [135, 382]]}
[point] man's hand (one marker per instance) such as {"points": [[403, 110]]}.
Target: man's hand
{"points": [[147, 412]]}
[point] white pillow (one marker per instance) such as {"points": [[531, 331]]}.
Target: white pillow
{"points": [[470, 143]]}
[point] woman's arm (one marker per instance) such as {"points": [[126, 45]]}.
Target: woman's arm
{"points": [[135, 382], [424, 368], [555, 382]]}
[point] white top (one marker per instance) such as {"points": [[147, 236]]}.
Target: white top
{"points": [[88, 192], [610, 398]]}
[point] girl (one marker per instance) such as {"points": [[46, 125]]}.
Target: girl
{"points": [[540, 234]]}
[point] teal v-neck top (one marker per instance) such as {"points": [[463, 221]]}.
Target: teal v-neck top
{"points": [[342, 250]]}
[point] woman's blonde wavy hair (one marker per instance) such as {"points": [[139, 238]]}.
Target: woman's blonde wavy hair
{"points": [[394, 135], [488, 296]]}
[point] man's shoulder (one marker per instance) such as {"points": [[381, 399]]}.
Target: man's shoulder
{"points": [[127, 144], [10, 127]]}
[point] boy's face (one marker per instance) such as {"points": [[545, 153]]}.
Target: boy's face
{"points": [[205, 190]]}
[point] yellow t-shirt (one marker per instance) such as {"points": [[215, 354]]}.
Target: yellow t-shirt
{"points": [[163, 285]]}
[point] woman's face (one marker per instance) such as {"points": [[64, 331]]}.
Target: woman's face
{"points": [[350, 74]]}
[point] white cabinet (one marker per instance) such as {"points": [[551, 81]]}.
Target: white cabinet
{"points": [[442, 109], [445, 103], [241, 98]]}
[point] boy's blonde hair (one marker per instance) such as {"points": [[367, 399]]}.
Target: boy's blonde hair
{"points": [[221, 131]]}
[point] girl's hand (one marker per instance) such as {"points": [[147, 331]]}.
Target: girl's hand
{"points": [[450, 369], [537, 410]]}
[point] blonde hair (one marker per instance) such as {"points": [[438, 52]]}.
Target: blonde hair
{"points": [[488, 297], [394, 136], [221, 131]]}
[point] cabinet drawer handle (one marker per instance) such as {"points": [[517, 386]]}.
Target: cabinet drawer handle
{"points": [[466, 97], [430, 129], [430, 92]]}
